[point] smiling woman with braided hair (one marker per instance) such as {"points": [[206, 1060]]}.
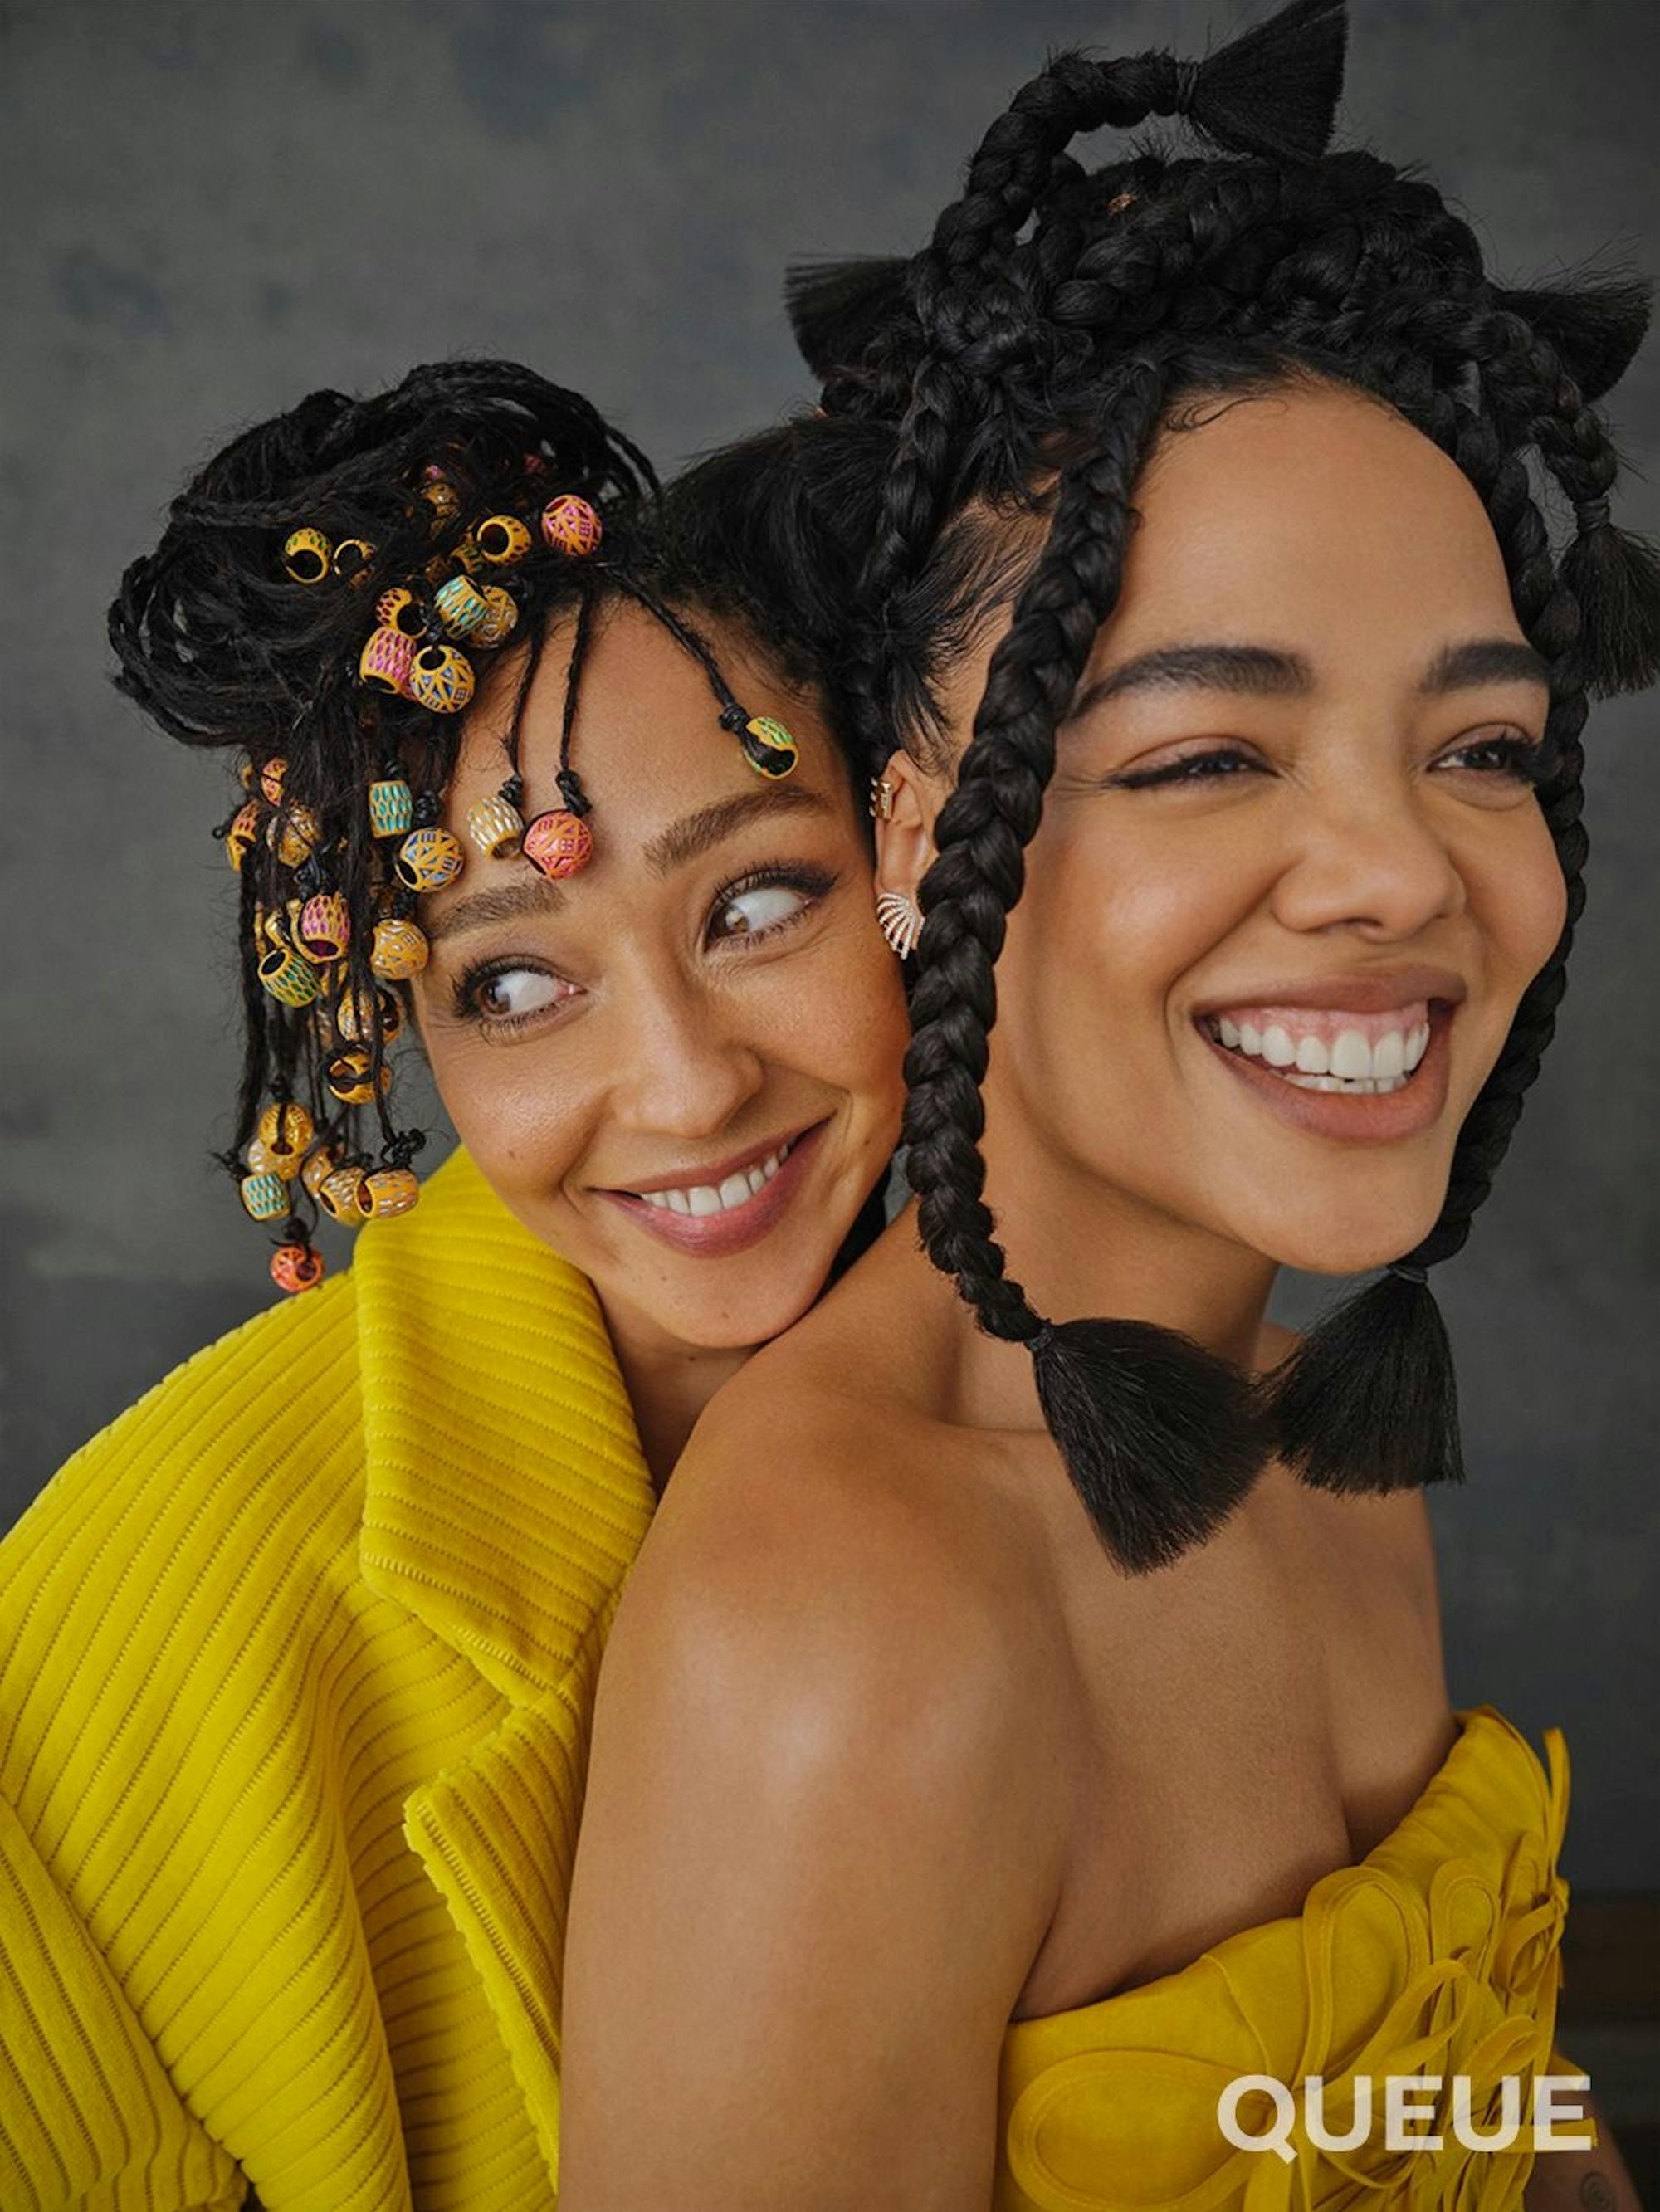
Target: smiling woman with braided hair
{"points": [[1060, 1727]]}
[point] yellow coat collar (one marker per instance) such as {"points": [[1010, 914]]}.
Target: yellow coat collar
{"points": [[506, 1495]]}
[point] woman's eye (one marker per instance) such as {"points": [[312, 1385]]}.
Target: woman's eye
{"points": [[503, 997], [1507, 755], [1193, 767], [758, 907]]}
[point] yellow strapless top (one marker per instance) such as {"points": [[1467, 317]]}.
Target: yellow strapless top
{"points": [[1437, 1954]]}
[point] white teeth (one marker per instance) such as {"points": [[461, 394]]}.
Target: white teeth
{"points": [[1313, 1059], [1251, 1038], [702, 1199], [1350, 1063], [1278, 1049], [1229, 1029]]}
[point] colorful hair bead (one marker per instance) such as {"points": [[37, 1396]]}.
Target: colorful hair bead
{"points": [[243, 833], [350, 1076], [391, 807], [502, 539], [306, 555], [296, 1267], [441, 497], [355, 1015], [294, 835], [352, 557], [468, 557], [320, 1163], [559, 843], [570, 525], [272, 776], [387, 1191], [767, 746], [289, 976], [459, 605], [429, 859], [285, 1128], [325, 927], [399, 950], [397, 608], [336, 1194], [496, 827], [440, 679], [265, 1194], [383, 662], [500, 617]]}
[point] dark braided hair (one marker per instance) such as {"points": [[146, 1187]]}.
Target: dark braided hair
{"points": [[224, 646], [1028, 360]]}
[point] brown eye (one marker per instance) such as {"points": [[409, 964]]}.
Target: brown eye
{"points": [[752, 913]]}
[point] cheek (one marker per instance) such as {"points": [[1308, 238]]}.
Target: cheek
{"points": [[522, 1123]]}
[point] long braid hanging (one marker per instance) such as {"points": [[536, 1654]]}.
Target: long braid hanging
{"points": [[1159, 1438]]}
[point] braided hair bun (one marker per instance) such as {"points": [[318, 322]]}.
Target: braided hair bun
{"points": [[1033, 353]]}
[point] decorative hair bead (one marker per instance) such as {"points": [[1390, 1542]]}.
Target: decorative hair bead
{"points": [[570, 525], [500, 617], [320, 1163], [243, 833], [336, 1194], [399, 950], [296, 1267], [496, 827], [429, 859], [397, 608], [306, 555], [502, 539], [459, 605], [287, 1128], [356, 1014], [294, 835], [767, 746], [272, 776], [290, 976], [387, 1191], [441, 497], [351, 1076], [265, 1195], [558, 843], [440, 679], [467, 556], [352, 557], [324, 927], [391, 807], [386, 659]]}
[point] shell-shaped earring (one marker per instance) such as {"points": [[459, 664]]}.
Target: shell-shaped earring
{"points": [[900, 921]]}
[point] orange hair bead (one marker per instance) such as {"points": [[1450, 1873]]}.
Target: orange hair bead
{"points": [[271, 778], [559, 843], [571, 525], [295, 1267]]}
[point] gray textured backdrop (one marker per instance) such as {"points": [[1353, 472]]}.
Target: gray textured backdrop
{"points": [[213, 208]]}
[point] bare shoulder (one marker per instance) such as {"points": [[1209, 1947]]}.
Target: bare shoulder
{"points": [[805, 1785]]}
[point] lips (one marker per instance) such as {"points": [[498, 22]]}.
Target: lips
{"points": [[718, 1231], [1357, 1117]]}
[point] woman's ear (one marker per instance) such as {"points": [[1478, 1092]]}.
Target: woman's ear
{"points": [[907, 800]]}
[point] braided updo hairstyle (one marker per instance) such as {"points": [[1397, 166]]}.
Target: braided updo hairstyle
{"points": [[1026, 363], [246, 629]]}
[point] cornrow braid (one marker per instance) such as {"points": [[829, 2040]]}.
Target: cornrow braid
{"points": [[1044, 368]]}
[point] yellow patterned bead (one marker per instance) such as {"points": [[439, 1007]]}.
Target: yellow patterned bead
{"points": [[352, 557], [459, 605], [290, 977], [272, 777], [294, 835], [496, 827], [429, 859], [286, 1126], [324, 927], [399, 950], [388, 1191], [503, 540], [500, 617], [319, 1165], [306, 555], [442, 498], [355, 1015], [265, 1194], [350, 1076], [468, 557], [440, 679], [336, 1195], [243, 833], [391, 807], [396, 609], [767, 746], [383, 662]]}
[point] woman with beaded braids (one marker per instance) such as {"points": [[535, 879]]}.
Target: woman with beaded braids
{"points": [[1059, 1729], [296, 1657]]}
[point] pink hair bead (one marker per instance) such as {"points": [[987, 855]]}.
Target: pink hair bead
{"points": [[559, 843], [570, 524], [324, 928], [385, 661]]}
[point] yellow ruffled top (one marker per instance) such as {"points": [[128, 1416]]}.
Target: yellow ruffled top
{"points": [[1437, 1954]]}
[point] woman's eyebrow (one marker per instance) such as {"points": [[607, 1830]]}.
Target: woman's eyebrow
{"points": [[510, 901], [693, 835], [1263, 669]]}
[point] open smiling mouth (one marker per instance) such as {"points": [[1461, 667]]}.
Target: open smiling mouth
{"points": [[739, 1203], [1361, 1056]]}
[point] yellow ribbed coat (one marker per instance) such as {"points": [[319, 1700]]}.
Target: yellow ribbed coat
{"points": [[296, 1663]]}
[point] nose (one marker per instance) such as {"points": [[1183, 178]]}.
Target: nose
{"points": [[1370, 855], [684, 1065]]}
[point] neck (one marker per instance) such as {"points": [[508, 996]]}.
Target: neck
{"points": [[669, 1383]]}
